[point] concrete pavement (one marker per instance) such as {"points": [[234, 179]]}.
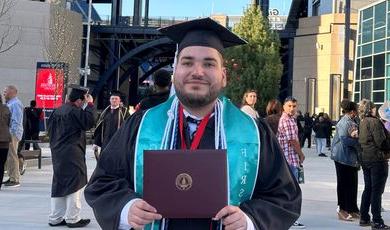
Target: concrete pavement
{"points": [[28, 206]]}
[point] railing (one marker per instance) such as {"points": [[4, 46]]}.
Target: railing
{"points": [[152, 22]]}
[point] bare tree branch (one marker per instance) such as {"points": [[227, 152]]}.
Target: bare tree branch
{"points": [[7, 41]]}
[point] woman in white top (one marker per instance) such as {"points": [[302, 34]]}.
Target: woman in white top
{"points": [[248, 103]]}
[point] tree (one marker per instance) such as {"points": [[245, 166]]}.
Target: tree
{"points": [[9, 36], [256, 65]]}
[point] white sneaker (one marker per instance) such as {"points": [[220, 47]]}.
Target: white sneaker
{"points": [[297, 225]]}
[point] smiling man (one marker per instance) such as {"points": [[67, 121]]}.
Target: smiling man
{"points": [[268, 197]]}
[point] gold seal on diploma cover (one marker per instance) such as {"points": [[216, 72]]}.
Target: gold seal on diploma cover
{"points": [[183, 182]]}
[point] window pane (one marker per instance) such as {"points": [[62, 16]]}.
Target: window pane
{"points": [[366, 90], [357, 97], [366, 62], [388, 89], [378, 84], [388, 58], [379, 33], [357, 86], [388, 71], [357, 74], [366, 73], [379, 65], [367, 49], [367, 31], [379, 46], [367, 13], [380, 14], [378, 96]]}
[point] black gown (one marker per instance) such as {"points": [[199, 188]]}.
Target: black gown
{"points": [[276, 202], [67, 126]]}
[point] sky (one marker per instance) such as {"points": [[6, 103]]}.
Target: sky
{"points": [[193, 8]]}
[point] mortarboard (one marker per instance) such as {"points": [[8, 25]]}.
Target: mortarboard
{"points": [[77, 92], [115, 93], [162, 78], [202, 32]]}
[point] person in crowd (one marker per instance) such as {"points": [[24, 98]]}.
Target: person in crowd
{"points": [[289, 142], [199, 78], [274, 111], [162, 83], [16, 130], [110, 120], [300, 123], [5, 136], [248, 103], [66, 128], [329, 124], [374, 141], [33, 117], [344, 151], [384, 114], [307, 130], [321, 132]]}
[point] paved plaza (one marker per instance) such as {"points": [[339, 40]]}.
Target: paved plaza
{"points": [[27, 207]]}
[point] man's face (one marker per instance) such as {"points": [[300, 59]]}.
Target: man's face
{"points": [[290, 108], [115, 101], [8, 94], [199, 76]]}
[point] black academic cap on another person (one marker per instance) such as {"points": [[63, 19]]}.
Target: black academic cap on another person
{"points": [[202, 32], [115, 93], [77, 92], [162, 78]]}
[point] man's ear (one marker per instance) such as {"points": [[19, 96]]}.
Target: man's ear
{"points": [[224, 77]]}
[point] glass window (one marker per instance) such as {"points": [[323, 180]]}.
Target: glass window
{"points": [[379, 65], [378, 84], [357, 74], [388, 71], [379, 33], [359, 53], [388, 58], [388, 25], [366, 73], [367, 49], [367, 13], [366, 62], [379, 46], [378, 97], [366, 90], [357, 97], [367, 31], [357, 86], [380, 14], [388, 89]]}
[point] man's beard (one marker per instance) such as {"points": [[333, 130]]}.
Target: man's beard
{"points": [[194, 100]]}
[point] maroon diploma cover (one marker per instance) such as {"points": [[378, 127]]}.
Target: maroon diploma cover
{"points": [[186, 183]]}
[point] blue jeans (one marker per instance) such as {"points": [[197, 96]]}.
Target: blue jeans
{"points": [[320, 145]]}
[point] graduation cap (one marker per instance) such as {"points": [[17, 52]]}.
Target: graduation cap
{"points": [[202, 32], [77, 92], [115, 93]]}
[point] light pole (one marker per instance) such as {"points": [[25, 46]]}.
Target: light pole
{"points": [[346, 47], [87, 71]]}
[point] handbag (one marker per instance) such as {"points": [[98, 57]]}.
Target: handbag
{"points": [[301, 175]]}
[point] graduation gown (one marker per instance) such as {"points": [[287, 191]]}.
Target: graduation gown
{"points": [[66, 127], [108, 123], [276, 201]]}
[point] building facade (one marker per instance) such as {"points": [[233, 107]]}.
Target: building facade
{"points": [[372, 66]]}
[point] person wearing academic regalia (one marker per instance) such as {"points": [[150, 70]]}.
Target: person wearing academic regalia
{"points": [[66, 127], [162, 83], [110, 120], [197, 117]]}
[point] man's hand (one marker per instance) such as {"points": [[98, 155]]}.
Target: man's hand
{"points": [[141, 213], [88, 98], [233, 218], [301, 157]]}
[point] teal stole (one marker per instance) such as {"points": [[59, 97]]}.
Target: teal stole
{"points": [[243, 149]]}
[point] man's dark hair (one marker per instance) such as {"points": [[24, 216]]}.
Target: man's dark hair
{"points": [[162, 78], [290, 98], [348, 106], [33, 103]]}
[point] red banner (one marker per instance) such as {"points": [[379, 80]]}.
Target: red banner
{"points": [[49, 87]]}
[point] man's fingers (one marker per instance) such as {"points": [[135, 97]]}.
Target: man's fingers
{"points": [[145, 206], [149, 216], [225, 212], [136, 226], [232, 218]]}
